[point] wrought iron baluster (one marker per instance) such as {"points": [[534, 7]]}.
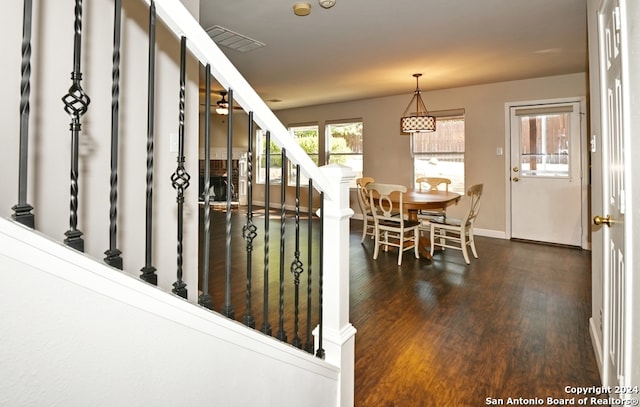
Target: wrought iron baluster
{"points": [[320, 351], [205, 298], [148, 271], [113, 254], [76, 103], [309, 344], [266, 326], [282, 335], [249, 229], [296, 267], [22, 210], [180, 178], [227, 310]]}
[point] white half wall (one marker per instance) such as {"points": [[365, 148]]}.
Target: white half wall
{"points": [[75, 332]]}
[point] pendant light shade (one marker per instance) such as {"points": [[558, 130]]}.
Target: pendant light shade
{"points": [[416, 117]]}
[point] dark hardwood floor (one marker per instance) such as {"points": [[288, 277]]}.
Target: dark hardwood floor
{"points": [[512, 324]]}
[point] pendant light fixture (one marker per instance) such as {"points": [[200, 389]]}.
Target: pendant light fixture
{"points": [[416, 118]]}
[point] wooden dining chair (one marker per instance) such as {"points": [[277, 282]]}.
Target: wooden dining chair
{"points": [[458, 233], [431, 184], [368, 226], [391, 229]]}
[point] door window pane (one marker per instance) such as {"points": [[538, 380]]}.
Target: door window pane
{"points": [[544, 145]]}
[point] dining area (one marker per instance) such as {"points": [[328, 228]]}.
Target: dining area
{"points": [[415, 220]]}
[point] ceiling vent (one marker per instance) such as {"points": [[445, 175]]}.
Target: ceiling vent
{"points": [[227, 38]]}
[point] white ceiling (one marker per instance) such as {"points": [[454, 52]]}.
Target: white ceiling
{"points": [[370, 48]]}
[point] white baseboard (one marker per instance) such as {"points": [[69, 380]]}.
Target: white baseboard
{"points": [[597, 345], [497, 234]]}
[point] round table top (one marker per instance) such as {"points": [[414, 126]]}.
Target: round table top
{"points": [[414, 199]]}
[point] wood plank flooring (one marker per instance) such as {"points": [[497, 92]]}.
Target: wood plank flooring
{"points": [[437, 332], [514, 324]]}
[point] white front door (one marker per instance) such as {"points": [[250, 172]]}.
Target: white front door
{"points": [[620, 300], [546, 168]]}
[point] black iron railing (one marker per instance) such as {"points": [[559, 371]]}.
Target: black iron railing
{"points": [[293, 309]]}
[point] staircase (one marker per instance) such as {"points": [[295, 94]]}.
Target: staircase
{"points": [[113, 311]]}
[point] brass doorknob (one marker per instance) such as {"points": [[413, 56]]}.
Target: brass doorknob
{"points": [[515, 179], [599, 220]]}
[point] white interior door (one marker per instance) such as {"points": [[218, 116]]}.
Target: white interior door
{"points": [[617, 327], [546, 182]]}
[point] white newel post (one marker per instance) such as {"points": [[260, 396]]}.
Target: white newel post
{"points": [[338, 333]]}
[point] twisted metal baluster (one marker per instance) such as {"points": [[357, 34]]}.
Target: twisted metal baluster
{"points": [[205, 298], [249, 229], [296, 266], [266, 326], [22, 210], [76, 103], [180, 178], [320, 351], [227, 309], [148, 271], [113, 254], [309, 345], [282, 335]]}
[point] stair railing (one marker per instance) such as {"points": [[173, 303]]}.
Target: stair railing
{"points": [[334, 335]]}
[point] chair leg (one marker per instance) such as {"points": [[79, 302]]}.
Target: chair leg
{"points": [[472, 243], [400, 247], [443, 239], [364, 229], [432, 237], [376, 244], [386, 241], [416, 240], [463, 244]]}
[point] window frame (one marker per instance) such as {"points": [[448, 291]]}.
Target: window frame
{"points": [[328, 137], [458, 179], [291, 177]]}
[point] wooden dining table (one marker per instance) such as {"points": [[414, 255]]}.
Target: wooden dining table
{"points": [[416, 200]]}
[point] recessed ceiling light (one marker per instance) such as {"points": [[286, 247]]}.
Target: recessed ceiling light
{"points": [[302, 9]]}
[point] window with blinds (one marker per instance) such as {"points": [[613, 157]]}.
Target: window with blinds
{"points": [[441, 153]]}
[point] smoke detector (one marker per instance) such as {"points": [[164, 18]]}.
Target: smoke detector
{"points": [[302, 9], [327, 3]]}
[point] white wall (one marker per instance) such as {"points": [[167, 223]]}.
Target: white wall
{"points": [[74, 333], [49, 167]]}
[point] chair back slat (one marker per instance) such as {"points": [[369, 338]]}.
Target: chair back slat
{"points": [[368, 226], [474, 192], [434, 183], [382, 204], [363, 194]]}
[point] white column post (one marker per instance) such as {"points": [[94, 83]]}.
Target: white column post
{"points": [[338, 333]]}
